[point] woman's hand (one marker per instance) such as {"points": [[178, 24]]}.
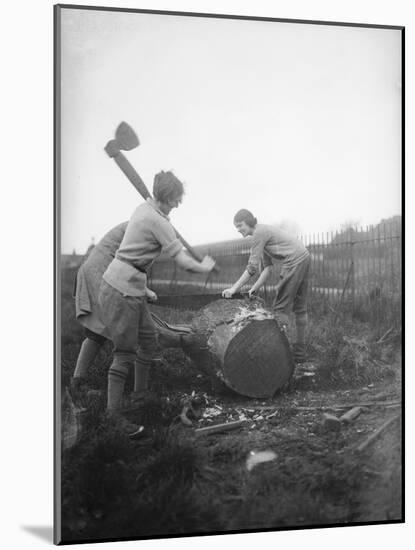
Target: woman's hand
{"points": [[151, 295], [208, 263], [228, 292]]}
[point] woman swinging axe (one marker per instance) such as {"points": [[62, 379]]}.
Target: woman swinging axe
{"points": [[123, 290]]}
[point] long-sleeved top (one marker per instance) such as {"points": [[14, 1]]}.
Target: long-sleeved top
{"points": [[149, 232], [270, 243]]}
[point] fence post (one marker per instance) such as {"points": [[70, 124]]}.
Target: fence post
{"points": [[352, 275]]}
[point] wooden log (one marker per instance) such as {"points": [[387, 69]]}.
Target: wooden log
{"points": [[350, 415], [330, 422], [241, 343]]}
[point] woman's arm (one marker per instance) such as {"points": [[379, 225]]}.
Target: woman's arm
{"points": [[261, 279], [187, 262], [244, 278]]}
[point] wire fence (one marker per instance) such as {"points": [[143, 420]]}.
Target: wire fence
{"points": [[356, 269]]}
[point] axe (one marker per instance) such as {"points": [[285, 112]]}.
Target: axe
{"points": [[125, 140]]}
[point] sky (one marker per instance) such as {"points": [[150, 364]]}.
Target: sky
{"points": [[301, 124]]}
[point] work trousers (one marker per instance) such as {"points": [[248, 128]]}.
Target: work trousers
{"points": [[292, 296]]}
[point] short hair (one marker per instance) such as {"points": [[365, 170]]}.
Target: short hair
{"points": [[245, 216], [167, 187]]}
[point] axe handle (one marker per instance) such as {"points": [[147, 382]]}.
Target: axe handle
{"points": [[192, 251], [132, 175], [188, 247], [141, 187]]}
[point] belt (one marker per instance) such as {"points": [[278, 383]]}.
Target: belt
{"points": [[131, 265]]}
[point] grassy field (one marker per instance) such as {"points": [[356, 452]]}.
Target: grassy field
{"points": [[176, 482]]}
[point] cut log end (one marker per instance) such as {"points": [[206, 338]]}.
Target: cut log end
{"points": [[244, 346], [258, 360]]}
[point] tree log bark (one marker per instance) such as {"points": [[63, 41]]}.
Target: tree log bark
{"points": [[241, 343]]}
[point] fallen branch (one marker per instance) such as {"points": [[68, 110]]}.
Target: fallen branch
{"points": [[336, 407], [371, 472], [385, 335], [352, 405], [378, 364], [377, 433], [226, 427]]}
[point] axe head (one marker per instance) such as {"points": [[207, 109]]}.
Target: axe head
{"points": [[126, 138]]}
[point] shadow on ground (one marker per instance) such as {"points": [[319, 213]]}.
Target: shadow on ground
{"points": [[44, 532]]}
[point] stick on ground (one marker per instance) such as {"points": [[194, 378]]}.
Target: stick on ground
{"points": [[226, 427], [377, 433]]}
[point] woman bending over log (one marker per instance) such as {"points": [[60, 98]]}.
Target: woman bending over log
{"points": [[270, 244]]}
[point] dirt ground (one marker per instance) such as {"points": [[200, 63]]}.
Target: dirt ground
{"points": [[175, 481]]}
